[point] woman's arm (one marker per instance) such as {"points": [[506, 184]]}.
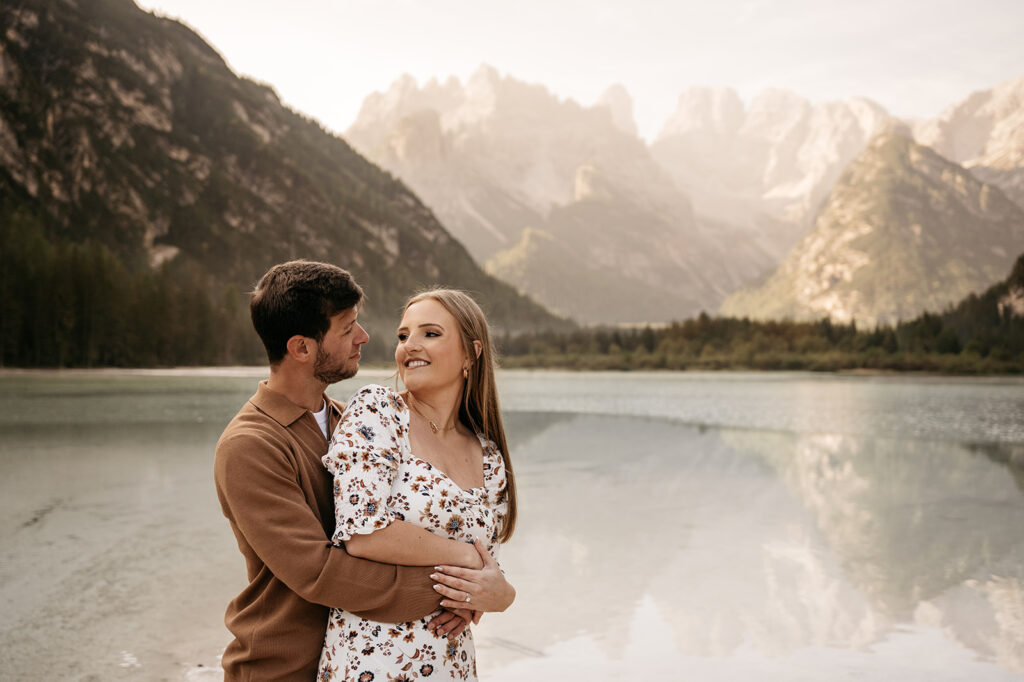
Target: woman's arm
{"points": [[364, 457], [406, 544]]}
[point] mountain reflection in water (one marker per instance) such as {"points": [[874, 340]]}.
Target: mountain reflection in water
{"points": [[734, 541]]}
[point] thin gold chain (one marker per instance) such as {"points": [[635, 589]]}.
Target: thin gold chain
{"points": [[433, 426]]}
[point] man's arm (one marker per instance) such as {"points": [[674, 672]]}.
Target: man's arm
{"points": [[259, 493]]}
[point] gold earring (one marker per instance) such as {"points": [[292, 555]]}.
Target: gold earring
{"points": [[465, 373]]}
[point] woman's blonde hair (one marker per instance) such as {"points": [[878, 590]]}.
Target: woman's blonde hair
{"points": [[479, 410]]}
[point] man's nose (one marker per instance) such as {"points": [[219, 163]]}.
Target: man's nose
{"points": [[365, 335]]}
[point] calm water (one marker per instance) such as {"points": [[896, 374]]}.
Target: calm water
{"points": [[673, 526]]}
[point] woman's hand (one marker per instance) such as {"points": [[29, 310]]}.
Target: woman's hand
{"points": [[483, 589]]}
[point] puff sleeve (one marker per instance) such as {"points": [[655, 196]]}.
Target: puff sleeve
{"points": [[364, 455]]}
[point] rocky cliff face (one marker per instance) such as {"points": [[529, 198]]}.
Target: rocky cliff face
{"points": [[903, 231], [984, 133], [123, 128], [496, 158], [765, 167], [617, 100]]}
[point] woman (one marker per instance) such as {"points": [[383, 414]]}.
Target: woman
{"points": [[433, 457]]}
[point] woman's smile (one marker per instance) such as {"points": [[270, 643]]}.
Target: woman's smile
{"points": [[428, 338]]}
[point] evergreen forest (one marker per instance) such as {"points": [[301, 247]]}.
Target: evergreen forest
{"points": [[981, 335]]}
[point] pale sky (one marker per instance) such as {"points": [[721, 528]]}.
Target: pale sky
{"points": [[323, 57]]}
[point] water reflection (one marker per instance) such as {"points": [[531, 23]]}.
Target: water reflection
{"points": [[1009, 454], [647, 548], [776, 543], [906, 519], [925, 531], [112, 533]]}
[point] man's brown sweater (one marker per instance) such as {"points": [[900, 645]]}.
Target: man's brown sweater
{"points": [[278, 498]]}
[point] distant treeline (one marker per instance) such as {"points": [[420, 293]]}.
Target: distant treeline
{"points": [[80, 304], [977, 336], [66, 304]]}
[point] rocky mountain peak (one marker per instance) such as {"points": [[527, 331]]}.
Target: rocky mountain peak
{"points": [[869, 113], [765, 167], [903, 230], [985, 133], [891, 131], [418, 138], [481, 92], [404, 97], [979, 125], [773, 113], [616, 99], [705, 109], [402, 86], [540, 139], [485, 76]]}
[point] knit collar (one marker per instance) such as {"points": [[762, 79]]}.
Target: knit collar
{"points": [[282, 410]]}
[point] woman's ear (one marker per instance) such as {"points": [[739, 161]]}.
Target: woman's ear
{"points": [[478, 347]]}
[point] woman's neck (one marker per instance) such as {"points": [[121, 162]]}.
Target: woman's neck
{"points": [[439, 408]]}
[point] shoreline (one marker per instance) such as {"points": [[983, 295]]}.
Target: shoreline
{"points": [[193, 371], [385, 372]]}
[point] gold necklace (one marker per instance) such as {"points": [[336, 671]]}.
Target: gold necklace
{"points": [[433, 427]]}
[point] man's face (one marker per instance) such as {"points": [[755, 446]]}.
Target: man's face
{"points": [[338, 353]]}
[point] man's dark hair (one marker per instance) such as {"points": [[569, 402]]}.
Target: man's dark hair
{"points": [[299, 297]]}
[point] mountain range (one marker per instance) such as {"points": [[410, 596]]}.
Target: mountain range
{"points": [[553, 196], [903, 230], [562, 201], [913, 224], [125, 136], [765, 167]]}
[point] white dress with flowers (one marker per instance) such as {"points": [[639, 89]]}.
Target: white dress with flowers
{"points": [[377, 479]]}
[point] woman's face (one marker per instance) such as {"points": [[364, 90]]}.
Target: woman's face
{"points": [[429, 352]]}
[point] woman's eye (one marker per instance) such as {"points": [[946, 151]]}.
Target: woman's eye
{"points": [[433, 334], [403, 337]]}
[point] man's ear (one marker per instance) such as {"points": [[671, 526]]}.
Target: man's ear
{"points": [[301, 348]]}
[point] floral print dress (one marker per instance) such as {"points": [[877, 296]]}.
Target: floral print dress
{"points": [[377, 479]]}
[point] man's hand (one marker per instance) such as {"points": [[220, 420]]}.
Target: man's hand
{"points": [[452, 623], [478, 590]]}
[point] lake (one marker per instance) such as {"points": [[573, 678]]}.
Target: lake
{"points": [[698, 526]]}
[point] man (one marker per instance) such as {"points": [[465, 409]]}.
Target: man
{"points": [[277, 495]]}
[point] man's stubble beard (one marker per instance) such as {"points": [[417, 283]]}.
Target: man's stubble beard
{"points": [[331, 375]]}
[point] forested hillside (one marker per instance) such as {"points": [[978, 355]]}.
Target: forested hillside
{"points": [[144, 188]]}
